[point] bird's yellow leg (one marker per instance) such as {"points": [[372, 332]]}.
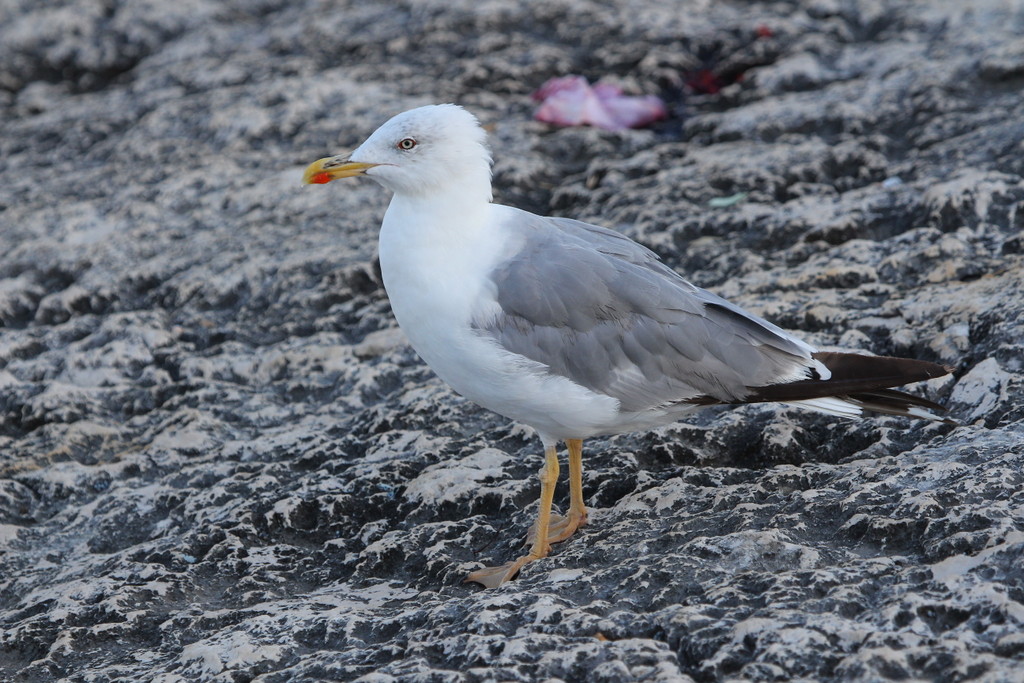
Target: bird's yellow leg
{"points": [[563, 527], [492, 577]]}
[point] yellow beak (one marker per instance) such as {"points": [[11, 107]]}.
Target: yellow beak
{"points": [[331, 168]]}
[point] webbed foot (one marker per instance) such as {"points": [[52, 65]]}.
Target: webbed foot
{"points": [[492, 577]]}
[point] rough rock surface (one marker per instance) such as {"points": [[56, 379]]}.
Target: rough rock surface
{"points": [[220, 461]]}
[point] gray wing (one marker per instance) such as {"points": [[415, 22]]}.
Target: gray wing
{"points": [[603, 311]]}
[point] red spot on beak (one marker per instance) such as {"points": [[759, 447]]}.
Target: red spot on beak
{"points": [[320, 178]]}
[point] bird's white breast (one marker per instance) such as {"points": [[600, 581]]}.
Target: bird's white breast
{"points": [[436, 261]]}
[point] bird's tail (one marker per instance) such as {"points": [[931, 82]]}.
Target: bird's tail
{"points": [[861, 383], [885, 401]]}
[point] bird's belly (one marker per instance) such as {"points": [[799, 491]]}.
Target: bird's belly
{"points": [[476, 367], [506, 383]]}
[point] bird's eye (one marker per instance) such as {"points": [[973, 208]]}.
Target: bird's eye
{"points": [[406, 144]]}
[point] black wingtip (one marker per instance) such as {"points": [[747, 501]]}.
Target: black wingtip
{"points": [[864, 380]]}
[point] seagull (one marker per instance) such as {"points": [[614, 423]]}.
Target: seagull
{"points": [[570, 328]]}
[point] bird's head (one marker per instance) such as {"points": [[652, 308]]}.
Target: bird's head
{"points": [[421, 151]]}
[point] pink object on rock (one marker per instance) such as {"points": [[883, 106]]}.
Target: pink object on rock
{"points": [[571, 101]]}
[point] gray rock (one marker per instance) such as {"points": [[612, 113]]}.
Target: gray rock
{"points": [[220, 461]]}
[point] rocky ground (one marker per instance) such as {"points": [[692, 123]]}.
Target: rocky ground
{"points": [[220, 461]]}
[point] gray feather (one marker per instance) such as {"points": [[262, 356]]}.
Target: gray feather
{"points": [[603, 311]]}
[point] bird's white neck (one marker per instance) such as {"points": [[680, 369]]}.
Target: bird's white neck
{"points": [[422, 219]]}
